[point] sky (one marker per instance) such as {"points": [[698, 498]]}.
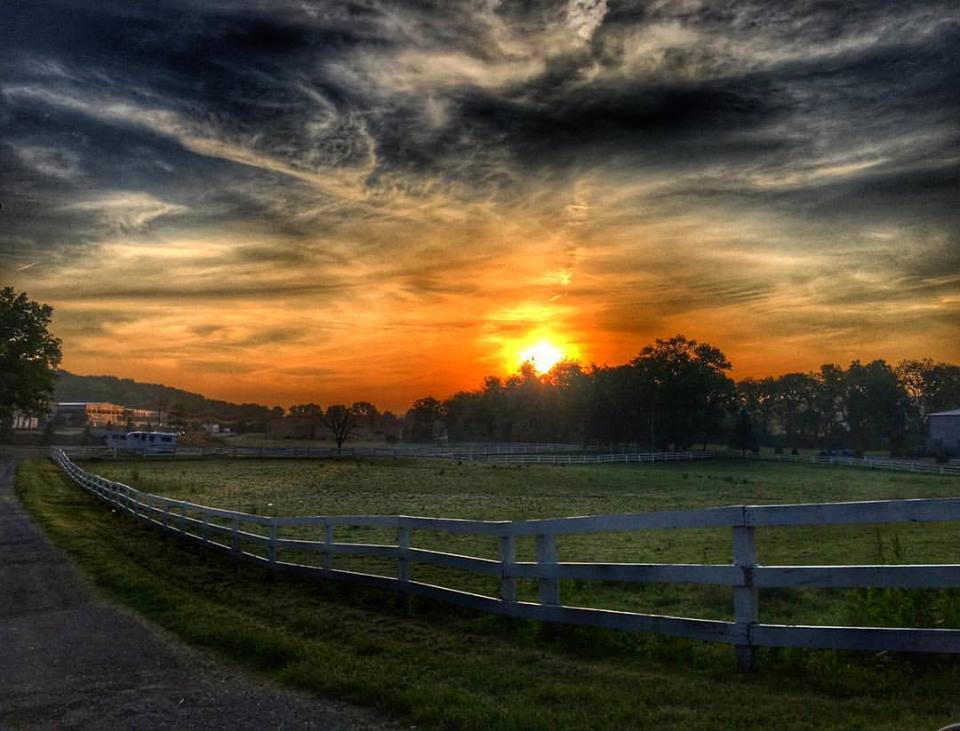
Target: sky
{"points": [[286, 202]]}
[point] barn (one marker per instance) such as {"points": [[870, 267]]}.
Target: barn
{"points": [[944, 431]]}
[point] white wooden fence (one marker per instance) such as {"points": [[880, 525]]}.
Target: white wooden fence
{"points": [[598, 458], [226, 530], [878, 463]]}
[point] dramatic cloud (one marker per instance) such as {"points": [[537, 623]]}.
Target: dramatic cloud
{"points": [[333, 200]]}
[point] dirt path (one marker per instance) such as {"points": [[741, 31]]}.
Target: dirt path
{"points": [[70, 660]]}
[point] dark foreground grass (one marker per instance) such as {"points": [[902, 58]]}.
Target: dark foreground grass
{"points": [[442, 668]]}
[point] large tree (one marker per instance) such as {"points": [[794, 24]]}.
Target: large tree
{"points": [[29, 356], [341, 421], [683, 390], [423, 419]]}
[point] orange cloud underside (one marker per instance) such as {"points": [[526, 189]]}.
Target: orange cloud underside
{"points": [[391, 311]]}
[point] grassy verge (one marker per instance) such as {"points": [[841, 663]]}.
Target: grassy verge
{"points": [[442, 668]]}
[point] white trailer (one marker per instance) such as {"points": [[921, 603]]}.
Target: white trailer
{"points": [[143, 442]]}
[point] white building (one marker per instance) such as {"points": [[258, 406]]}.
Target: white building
{"points": [[142, 442], [25, 422], [943, 429]]}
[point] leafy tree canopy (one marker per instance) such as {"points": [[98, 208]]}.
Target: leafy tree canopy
{"points": [[29, 354]]}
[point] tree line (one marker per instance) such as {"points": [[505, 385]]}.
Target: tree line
{"points": [[675, 394], [678, 394]]}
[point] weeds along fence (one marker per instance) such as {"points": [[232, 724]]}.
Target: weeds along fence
{"points": [[902, 465], [230, 532]]}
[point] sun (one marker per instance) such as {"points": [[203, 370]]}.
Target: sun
{"points": [[543, 354]]}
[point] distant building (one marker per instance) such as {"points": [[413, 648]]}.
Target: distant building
{"points": [[25, 422], [142, 417], [98, 414], [90, 413], [142, 442], [211, 427], [944, 431]]}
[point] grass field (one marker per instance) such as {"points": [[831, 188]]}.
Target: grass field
{"points": [[510, 492], [450, 669]]}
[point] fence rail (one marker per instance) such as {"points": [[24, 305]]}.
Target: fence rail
{"points": [[228, 531], [598, 458], [871, 463], [499, 454], [875, 463]]}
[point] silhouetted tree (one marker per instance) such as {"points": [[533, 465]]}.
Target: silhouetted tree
{"points": [[831, 406], [420, 422], [929, 387], [676, 392], [684, 390], [310, 411], [390, 424], [341, 422], [368, 416], [875, 406], [743, 437]]}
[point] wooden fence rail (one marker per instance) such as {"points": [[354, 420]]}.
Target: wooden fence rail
{"points": [[227, 531], [876, 463]]}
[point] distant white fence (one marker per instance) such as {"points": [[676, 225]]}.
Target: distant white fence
{"points": [[877, 463], [597, 458], [226, 530], [498, 453]]}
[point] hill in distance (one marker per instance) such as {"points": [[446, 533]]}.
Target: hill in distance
{"points": [[174, 401]]}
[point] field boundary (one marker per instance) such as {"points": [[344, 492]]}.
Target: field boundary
{"points": [[231, 532], [505, 453], [874, 463], [499, 454]]}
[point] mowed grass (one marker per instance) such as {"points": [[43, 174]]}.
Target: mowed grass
{"points": [[443, 668], [495, 492]]}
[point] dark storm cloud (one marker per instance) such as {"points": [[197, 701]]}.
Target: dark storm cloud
{"points": [[271, 80]]}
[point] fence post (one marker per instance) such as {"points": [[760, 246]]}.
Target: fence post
{"points": [[204, 529], [403, 568], [235, 539], [745, 598], [328, 545], [272, 548], [403, 573], [134, 508], [508, 584], [546, 556]]}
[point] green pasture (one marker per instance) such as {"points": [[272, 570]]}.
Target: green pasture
{"points": [[497, 492], [439, 667]]}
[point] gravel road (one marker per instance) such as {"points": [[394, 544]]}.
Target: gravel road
{"points": [[71, 660]]}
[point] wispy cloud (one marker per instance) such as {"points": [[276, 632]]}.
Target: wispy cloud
{"points": [[293, 200]]}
